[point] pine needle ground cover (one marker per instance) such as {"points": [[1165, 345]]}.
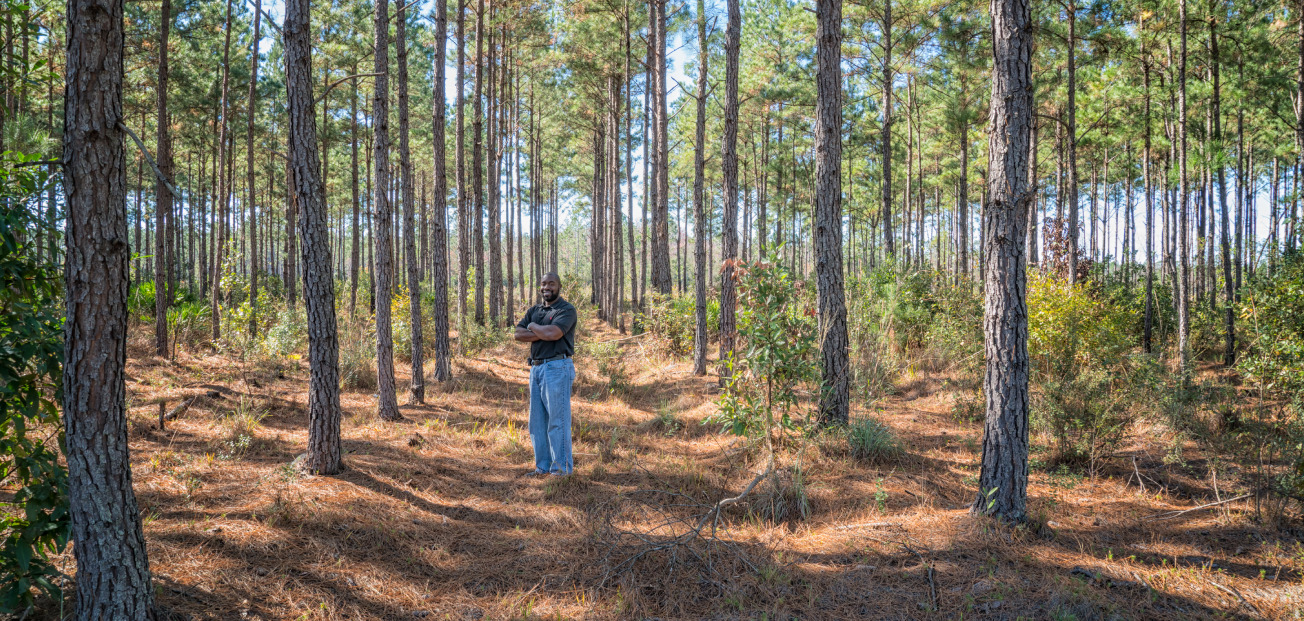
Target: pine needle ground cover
{"points": [[431, 519]]}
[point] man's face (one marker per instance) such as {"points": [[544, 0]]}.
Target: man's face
{"points": [[551, 289]]}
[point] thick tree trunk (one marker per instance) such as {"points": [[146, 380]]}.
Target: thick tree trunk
{"points": [[439, 234], [387, 400], [1229, 293], [1003, 478], [163, 198], [323, 455], [834, 397], [113, 580], [729, 164]]}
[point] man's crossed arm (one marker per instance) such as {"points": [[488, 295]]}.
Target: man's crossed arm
{"points": [[535, 332]]}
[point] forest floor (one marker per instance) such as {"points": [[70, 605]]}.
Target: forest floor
{"points": [[431, 518]]}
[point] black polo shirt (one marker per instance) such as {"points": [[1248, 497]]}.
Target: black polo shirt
{"points": [[560, 314]]}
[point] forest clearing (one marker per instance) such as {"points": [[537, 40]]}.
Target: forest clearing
{"points": [[651, 309], [431, 516]]}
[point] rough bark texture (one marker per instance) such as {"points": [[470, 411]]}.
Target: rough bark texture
{"points": [[729, 164], [162, 195], [355, 249], [223, 181], [1071, 143], [418, 391], [387, 401], [1147, 338], [885, 137], [113, 580], [699, 198], [477, 164], [318, 282], [439, 237], [828, 212], [255, 259], [661, 277], [463, 218], [1003, 478], [1183, 221]]}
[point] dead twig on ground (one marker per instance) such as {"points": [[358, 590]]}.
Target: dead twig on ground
{"points": [[1159, 517], [1237, 594]]}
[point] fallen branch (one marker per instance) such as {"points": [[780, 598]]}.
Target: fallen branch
{"points": [[1246, 602], [866, 525], [180, 409], [1159, 517]]}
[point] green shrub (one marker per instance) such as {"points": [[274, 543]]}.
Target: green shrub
{"points": [[190, 321], [673, 321], [775, 358], [1084, 380], [1272, 317], [288, 333], [873, 441], [34, 519], [357, 354], [140, 300]]}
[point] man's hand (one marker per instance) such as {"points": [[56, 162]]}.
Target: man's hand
{"points": [[544, 333], [525, 335]]}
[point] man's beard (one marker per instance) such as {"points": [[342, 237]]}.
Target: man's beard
{"points": [[550, 297]]}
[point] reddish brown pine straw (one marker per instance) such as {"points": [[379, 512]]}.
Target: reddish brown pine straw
{"points": [[431, 520]]}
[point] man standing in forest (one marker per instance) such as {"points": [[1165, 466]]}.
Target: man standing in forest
{"points": [[549, 328]]}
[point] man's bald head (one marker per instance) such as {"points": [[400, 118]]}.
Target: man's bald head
{"points": [[550, 287]]}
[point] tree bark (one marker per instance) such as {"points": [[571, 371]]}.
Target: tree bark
{"points": [[223, 180], [417, 394], [387, 399], [463, 216], [661, 275], [255, 259], [1147, 339], [113, 579], [1003, 478], [1229, 293], [162, 194], [699, 198], [477, 164], [729, 164], [885, 137], [355, 250], [323, 455], [1183, 221], [1071, 143], [834, 397], [439, 235]]}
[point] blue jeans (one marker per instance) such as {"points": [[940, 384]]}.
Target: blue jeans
{"points": [[550, 415]]}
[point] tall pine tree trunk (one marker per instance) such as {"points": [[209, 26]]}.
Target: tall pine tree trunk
{"points": [[162, 193], [387, 400], [699, 198], [324, 453], [729, 164], [113, 580], [1003, 477], [223, 180], [255, 259], [463, 216], [418, 390], [1183, 220], [835, 379], [439, 234], [477, 164]]}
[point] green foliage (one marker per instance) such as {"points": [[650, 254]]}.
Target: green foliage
{"points": [[357, 354], [775, 359], [1272, 316], [1079, 343], [140, 300], [288, 332], [673, 321], [34, 521], [873, 441]]}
